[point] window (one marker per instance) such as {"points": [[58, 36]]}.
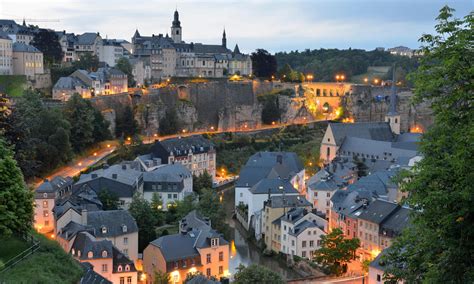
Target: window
{"points": [[104, 267], [208, 258], [214, 242], [45, 213], [119, 268], [221, 256], [379, 278], [292, 243], [104, 253], [221, 270], [175, 195], [328, 151], [122, 280], [328, 194], [311, 244], [309, 232], [45, 195], [90, 254], [184, 263], [124, 228], [303, 244], [129, 280], [125, 251], [303, 254], [208, 272], [169, 195], [104, 230], [127, 267], [45, 204], [125, 241]]}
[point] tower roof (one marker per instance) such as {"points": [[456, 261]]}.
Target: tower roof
{"points": [[136, 34], [176, 22], [236, 49]]}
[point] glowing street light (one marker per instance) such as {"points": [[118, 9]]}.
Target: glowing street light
{"points": [[129, 138], [95, 154], [273, 123], [108, 145], [366, 80], [184, 130], [376, 81]]}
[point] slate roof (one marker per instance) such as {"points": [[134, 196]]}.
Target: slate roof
{"points": [[85, 242], [397, 221], [368, 130], [54, 185], [72, 229], [293, 215], [201, 279], [298, 229], [182, 145], [81, 198], [90, 276], [264, 164], [120, 259], [194, 220], [378, 262], [272, 186], [113, 220], [167, 173], [69, 83], [327, 184], [22, 47], [379, 149], [288, 201], [378, 211], [86, 38]]}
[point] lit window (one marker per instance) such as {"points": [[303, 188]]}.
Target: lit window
{"points": [[104, 253]]}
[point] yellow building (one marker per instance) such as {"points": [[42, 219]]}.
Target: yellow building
{"points": [[27, 60], [196, 248]]}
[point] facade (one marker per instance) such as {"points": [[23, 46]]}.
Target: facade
{"points": [[172, 56], [171, 182], [17, 33], [402, 51], [274, 208], [194, 152], [141, 71], [196, 248], [46, 196], [6, 54], [27, 60], [88, 43], [301, 232], [112, 51]]}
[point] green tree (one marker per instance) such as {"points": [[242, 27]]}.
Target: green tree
{"points": [[81, 117], [336, 251], [271, 111], [183, 207], [157, 206], [110, 200], [438, 246], [125, 123], [209, 205], [256, 274], [170, 123], [16, 201], [143, 213], [101, 130], [160, 277], [123, 64], [201, 182], [47, 42], [87, 61], [263, 63]]}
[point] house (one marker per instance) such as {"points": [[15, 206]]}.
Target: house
{"points": [[194, 152], [65, 87], [196, 248], [274, 208], [171, 182], [105, 258], [90, 276], [17, 33], [378, 268], [264, 174], [88, 43], [121, 180], [301, 232], [46, 196], [27, 60], [112, 51], [6, 54]]}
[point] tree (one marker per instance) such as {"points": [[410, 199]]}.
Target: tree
{"points": [[160, 277], [110, 200], [47, 42], [210, 206], [183, 207], [146, 221], [170, 123], [201, 182], [256, 274], [125, 123], [81, 117], [123, 64], [263, 63], [336, 251], [271, 112], [101, 130], [438, 245], [87, 61], [16, 201]]}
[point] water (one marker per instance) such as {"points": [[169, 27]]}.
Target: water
{"points": [[244, 252]]}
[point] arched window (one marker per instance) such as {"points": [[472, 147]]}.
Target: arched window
{"points": [[328, 151], [124, 228], [104, 230], [389, 120], [73, 251], [119, 268], [45, 195], [396, 120], [79, 253], [104, 253], [90, 254], [127, 267]]}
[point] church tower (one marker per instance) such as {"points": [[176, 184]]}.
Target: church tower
{"points": [[176, 28], [224, 40], [393, 117]]}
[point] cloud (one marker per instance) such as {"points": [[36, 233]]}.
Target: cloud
{"points": [[273, 25]]}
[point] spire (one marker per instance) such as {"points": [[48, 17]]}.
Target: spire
{"points": [[136, 34], [393, 96], [24, 22], [224, 39], [236, 49], [176, 22]]}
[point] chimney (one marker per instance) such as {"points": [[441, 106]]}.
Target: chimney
{"points": [[84, 217]]}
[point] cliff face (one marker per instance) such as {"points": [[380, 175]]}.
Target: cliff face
{"points": [[230, 105]]}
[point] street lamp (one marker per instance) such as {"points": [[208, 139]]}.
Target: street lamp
{"points": [[366, 80]]}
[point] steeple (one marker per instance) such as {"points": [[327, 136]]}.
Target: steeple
{"points": [[136, 34], [224, 39], [176, 28], [176, 22], [393, 117], [24, 22], [236, 49]]}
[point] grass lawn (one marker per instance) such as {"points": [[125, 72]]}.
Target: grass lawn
{"points": [[49, 264], [11, 246]]}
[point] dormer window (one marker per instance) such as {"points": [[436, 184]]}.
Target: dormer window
{"points": [[78, 253], [104, 230], [45, 195], [73, 251], [90, 254], [214, 242], [127, 267], [124, 228], [104, 253], [119, 268]]}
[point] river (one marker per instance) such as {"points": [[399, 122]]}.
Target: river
{"points": [[244, 252]]}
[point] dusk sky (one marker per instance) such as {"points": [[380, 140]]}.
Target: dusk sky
{"points": [[272, 25]]}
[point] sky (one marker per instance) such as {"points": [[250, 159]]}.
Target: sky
{"points": [[278, 25]]}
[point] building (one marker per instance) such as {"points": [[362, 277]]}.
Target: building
{"points": [[67, 40], [301, 232], [378, 268], [121, 180], [88, 43], [65, 87], [6, 54], [27, 60], [274, 208], [171, 182], [196, 248], [105, 258], [17, 33], [46, 196], [112, 51], [402, 51], [141, 71], [194, 152], [172, 56]]}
